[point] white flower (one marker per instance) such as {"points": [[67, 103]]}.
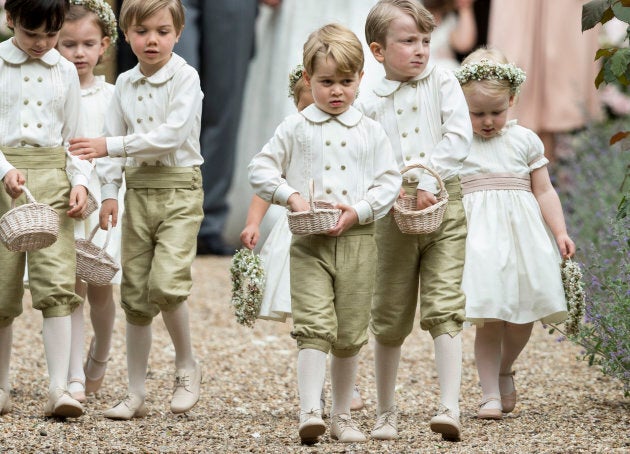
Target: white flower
{"points": [[574, 294], [486, 69], [248, 284]]}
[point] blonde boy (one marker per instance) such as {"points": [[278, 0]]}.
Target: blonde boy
{"points": [[426, 118], [349, 157], [153, 126]]}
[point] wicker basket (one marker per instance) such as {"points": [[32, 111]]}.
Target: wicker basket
{"points": [[29, 227], [413, 221], [319, 219], [92, 206], [94, 265]]}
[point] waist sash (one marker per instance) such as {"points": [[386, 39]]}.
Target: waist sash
{"points": [[35, 157], [496, 181], [162, 177]]}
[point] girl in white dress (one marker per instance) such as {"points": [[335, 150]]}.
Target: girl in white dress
{"points": [[516, 230], [89, 29]]}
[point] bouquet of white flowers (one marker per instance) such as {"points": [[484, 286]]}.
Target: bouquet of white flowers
{"points": [[574, 294], [248, 285]]}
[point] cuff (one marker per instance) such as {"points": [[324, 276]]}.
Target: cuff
{"points": [[364, 211], [282, 194], [109, 191], [79, 179], [429, 183], [116, 147]]}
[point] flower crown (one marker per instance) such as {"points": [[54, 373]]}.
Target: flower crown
{"points": [[485, 69], [294, 76], [104, 13]]}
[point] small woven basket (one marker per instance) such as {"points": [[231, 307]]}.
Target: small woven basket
{"points": [[92, 206], [319, 219], [413, 221], [94, 265], [29, 227]]}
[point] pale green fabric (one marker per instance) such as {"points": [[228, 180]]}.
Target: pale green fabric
{"points": [[159, 238], [332, 281], [51, 270], [431, 263]]}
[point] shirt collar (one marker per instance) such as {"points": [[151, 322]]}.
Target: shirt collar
{"points": [[12, 54], [164, 74], [349, 118], [387, 87]]}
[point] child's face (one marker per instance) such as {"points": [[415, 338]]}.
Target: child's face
{"points": [[333, 92], [305, 99], [406, 51], [83, 43], [36, 42], [488, 114], [152, 41]]}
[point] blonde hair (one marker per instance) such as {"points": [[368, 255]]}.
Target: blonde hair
{"points": [[136, 11], [337, 42], [488, 86], [384, 12]]}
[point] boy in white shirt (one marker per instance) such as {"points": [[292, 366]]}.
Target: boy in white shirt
{"points": [[424, 113], [349, 158], [154, 125]]}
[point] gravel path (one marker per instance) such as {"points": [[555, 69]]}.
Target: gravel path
{"points": [[249, 401]]}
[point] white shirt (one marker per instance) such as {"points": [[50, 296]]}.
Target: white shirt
{"points": [[348, 156], [40, 106], [154, 121], [427, 121]]}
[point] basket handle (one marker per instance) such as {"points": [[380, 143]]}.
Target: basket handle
{"points": [[28, 195], [109, 234], [431, 171], [311, 191]]}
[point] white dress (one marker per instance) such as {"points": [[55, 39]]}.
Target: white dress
{"points": [[276, 304], [280, 36], [94, 104], [512, 268]]}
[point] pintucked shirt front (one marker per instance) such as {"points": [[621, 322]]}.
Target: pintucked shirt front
{"points": [[40, 106], [152, 121], [348, 156], [427, 121]]}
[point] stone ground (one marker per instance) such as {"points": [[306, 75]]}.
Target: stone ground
{"points": [[249, 401]]}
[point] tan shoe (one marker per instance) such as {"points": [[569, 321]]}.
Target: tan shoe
{"points": [[386, 425], [186, 390], [78, 394], [5, 401], [344, 429], [508, 401], [93, 384], [311, 426], [131, 406], [357, 402], [489, 413], [61, 405], [446, 424]]}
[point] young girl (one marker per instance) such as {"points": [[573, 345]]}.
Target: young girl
{"points": [[40, 107], [89, 29], [349, 158], [154, 122], [515, 227]]}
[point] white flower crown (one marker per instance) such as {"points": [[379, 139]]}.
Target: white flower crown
{"points": [[294, 76], [104, 13], [485, 69]]}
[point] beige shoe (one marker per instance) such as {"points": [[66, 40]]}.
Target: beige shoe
{"points": [[357, 402], [311, 426], [446, 424], [93, 384], [508, 401], [131, 406], [386, 425], [344, 429], [5, 401], [187, 388], [489, 413], [79, 394], [61, 405]]}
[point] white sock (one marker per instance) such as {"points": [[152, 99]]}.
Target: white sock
{"points": [[102, 315], [448, 361], [75, 367], [57, 338], [343, 372], [311, 373], [6, 342], [138, 348], [386, 360], [488, 357], [178, 327]]}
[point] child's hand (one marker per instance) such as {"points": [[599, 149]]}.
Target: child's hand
{"points": [[425, 199], [109, 208], [12, 181], [86, 148], [348, 218], [297, 203], [250, 236], [566, 246], [78, 201]]}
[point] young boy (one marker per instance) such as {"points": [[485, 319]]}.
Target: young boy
{"points": [[332, 276], [426, 118], [154, 123], [40, 112]]}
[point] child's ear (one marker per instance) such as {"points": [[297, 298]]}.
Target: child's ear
{"points": [[126, 38], [179, 34], [307, 79], [106, 41], [377, 51], [511, 101]]}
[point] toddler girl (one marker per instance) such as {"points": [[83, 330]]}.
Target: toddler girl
{"points": [[89, 29], [515, 227]]}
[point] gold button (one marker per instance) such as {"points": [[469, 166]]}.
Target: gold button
{"points": [[151, 96], [343, 167], [39, 103], [344, 192], [328, 191], [150, 118], [414, 84], [422, 154], [404, 134], [343, 143], [138, 120], [39, 79], [399, 111], [417, 129], [143, 81], [39, 125], [26, 79], [327, 142], [414, 108], [140, 98], [407, 158], [26, 102], [25, 125], [327, 167]]}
